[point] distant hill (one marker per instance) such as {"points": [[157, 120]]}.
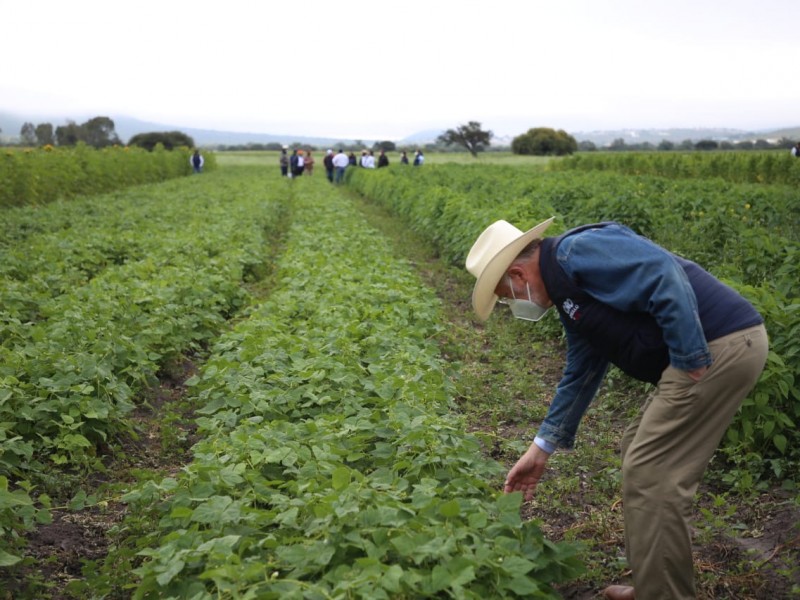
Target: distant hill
{"points": [[127, 127], [792, 133]]}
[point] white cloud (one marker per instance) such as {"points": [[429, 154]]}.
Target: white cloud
{"points": [[389, 69]]}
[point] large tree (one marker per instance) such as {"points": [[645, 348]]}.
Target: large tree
{"points": [[69, 134], [386, 146], [45, 134], [544, 141], [168, 139], [99, 132], [471, 136], [27, 134]]}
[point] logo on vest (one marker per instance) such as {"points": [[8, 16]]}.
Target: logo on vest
{"points": [[571, 309]]}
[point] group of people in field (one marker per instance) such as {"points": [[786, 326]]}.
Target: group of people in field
{"points": [[298, 163], [301, 162]]}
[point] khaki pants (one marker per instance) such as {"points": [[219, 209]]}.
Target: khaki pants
{"points": [[665, 451]]}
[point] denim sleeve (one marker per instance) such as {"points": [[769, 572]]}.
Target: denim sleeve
{"points": [[631, 273], [582, 377]]}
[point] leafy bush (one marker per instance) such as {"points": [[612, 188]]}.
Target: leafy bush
{"points": [[768, 167], [168, 139], [42, 175], [544, 141]]}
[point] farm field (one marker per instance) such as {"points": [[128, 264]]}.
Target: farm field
{"points": [[270, 159], [329, 421]]}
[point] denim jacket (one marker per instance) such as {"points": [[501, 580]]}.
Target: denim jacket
{"points": [[632, 274]]}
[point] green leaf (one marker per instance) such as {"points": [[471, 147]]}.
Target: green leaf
{"points": [[509, 503], [391, 578], [44, 517], [168, 574], [523, 586], [217, 509], [340, 478], [462, 576], [7, 560], [440, 578], [12, 499], [181, 512], [450, 509], [478, 520], [78, 501], [516, 565]]}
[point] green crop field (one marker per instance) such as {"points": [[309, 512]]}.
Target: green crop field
{"points": [[270, 159], [233, 385]]}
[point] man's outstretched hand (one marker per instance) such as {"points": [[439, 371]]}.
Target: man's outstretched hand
{"points": [[525, 475]]}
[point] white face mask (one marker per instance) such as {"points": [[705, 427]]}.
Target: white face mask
{"points": [[527, 310]]}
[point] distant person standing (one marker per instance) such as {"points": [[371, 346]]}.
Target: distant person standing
{"points": [[301, 163], [197, 161], [309, 164], [293, 164], [383, 160], [369, 160], [404, 158], [796, 150], [340, 163], [419, 158], [284, 162], [328, 162]]}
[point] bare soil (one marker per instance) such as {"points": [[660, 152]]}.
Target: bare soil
{"points": [[61, 549]]}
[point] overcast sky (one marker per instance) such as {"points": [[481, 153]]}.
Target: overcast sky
{"points": [[382, 70]]}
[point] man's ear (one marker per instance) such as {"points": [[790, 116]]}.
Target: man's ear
{"points": [[516, 271]]}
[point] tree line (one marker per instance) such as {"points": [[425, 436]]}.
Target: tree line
{"points": [[538, 141], [546, 141], [354, 146], [98, 132]]}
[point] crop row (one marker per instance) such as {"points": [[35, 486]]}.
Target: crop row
{"points": [[746, 234], [41, 175], [330, 463], [93, 309], [772, 167]]}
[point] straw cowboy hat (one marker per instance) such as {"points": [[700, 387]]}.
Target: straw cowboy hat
{"points": [[490, 257]]}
